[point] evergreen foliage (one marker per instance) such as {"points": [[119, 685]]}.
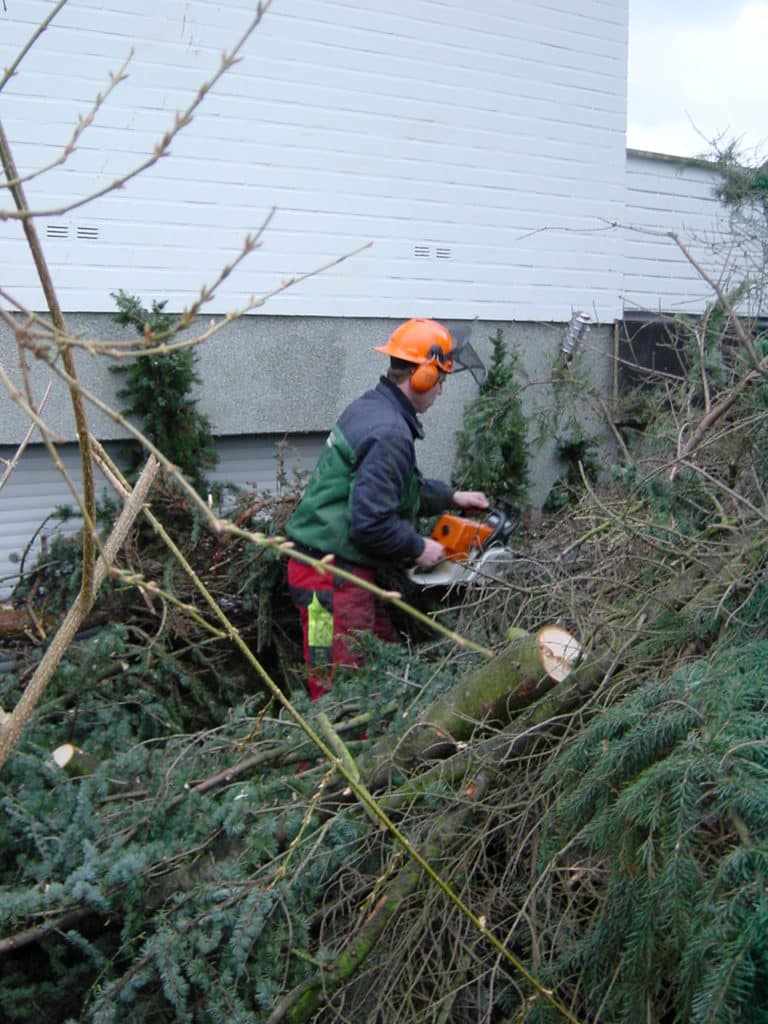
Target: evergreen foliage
{"points": [[618, 847], [492, 445], [663, 799], [620, 851], [742, 186], [159, 390], [184, 906]]}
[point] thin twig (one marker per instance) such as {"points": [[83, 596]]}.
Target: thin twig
{"points": [[163, 146], [10, 71], [13, 462], [735, 319], [83, 123]]}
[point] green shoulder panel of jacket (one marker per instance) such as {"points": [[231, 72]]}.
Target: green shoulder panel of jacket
{"points": [[322, 518]]}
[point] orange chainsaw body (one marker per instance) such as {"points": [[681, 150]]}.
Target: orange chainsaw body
{"points": [[460, 536]]}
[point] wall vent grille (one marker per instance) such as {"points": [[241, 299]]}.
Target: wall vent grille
{"points": [[89, 233], [427, 252], [57, 231]]}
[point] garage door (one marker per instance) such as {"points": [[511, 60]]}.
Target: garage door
{"points": [[35, 489]]}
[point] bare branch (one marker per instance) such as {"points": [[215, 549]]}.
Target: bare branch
{"points": [[52, 301], [13, 462], [738, 326], [83, 122], [139, 346], [16, 396], [9, 72], [163, 146], [256, 301], [718, 411], [30, 316], [11, 729]]}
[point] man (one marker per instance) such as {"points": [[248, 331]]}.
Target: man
{"points": [[363, 498]]}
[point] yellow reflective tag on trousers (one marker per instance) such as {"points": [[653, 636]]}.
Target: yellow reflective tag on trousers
{"points": [[319, 632]]}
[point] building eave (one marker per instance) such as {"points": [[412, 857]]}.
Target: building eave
{"points": [[670, 158]]}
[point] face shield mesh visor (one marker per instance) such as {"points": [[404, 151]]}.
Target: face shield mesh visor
{"points": [[464, 356]]}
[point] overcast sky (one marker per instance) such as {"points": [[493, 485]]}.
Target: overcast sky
{"points": [[698, 70]]}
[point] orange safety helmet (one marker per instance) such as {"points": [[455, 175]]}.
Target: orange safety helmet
{"points": [[427, 344]]}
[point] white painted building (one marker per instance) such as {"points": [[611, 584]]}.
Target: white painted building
{"points": [[472, 156], [472, 145]]}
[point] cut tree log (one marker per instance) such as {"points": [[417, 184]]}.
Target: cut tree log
{"points": [[493, 754], [527, 668], [74, 760], [472, 769], [560, 652], [18, 624]]}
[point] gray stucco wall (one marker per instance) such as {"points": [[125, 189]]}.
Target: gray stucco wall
{"points": [[269, 375]]}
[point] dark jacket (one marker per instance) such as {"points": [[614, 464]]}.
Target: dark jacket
{"points": [[366, 491]]}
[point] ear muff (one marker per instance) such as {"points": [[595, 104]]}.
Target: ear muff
{"points": [[425, 377]]}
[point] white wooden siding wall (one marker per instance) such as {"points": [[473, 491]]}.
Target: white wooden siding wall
{"points": [[35, 488], [30, 495], [479, 147], [668, 195]]}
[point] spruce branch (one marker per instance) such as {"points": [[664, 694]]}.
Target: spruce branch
{"points": [[303, 1002]]}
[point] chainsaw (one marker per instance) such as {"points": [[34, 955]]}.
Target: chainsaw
{"points": [[475, 551]]}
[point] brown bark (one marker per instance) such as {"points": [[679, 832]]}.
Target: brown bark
{"points": [[16, 624], [472, 768], [488, 697]]}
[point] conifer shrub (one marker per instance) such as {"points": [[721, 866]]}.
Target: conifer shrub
{"points": [[492, 445], [160, 394]]}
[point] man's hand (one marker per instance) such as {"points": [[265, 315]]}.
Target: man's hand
{"points": [[433, 553], [470, 501]]}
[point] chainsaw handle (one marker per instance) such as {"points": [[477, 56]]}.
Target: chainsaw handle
{"points": [[504, 525]]}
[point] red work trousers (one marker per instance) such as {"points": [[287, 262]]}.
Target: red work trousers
{"points": [[331, 609]]}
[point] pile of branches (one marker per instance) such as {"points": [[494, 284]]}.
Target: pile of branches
{"points": [[167, 621], [460, 830]]}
